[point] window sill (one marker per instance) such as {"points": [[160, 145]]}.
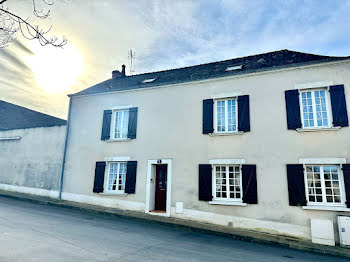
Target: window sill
{"points": [[118, 140], [227, 134], [300, 130], [113, 194], [327, 208], [227, 203]]}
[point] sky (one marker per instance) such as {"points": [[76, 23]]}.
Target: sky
{"points": [[162, 34]]}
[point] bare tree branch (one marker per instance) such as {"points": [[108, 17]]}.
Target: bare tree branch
{"points": [[11, 23], [41, 14]]}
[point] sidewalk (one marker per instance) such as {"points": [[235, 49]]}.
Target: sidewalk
{"points": [[195, 226]]}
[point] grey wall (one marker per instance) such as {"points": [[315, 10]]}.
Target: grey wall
{"points": [[33, 161], [170, 126]]}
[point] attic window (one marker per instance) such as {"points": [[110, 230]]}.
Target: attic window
{"points": [[149, 80], [10, 138], [232, 68]]}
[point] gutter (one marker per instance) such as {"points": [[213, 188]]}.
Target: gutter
{"points": [[65, 150]]}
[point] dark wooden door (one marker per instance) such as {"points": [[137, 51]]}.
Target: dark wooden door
{"points": [[161, 183]]}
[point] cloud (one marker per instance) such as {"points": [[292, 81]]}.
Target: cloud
{"points": [[193, 32], [8, 72], [22, 47], [13, 60]]}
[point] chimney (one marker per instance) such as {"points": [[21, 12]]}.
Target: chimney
{"points": [[123, 70], [116, 73]]}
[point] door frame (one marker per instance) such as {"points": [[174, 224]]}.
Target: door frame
{"points": [[150, 192]]}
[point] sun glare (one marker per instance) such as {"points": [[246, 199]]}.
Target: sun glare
{"points": [[56, 69]]}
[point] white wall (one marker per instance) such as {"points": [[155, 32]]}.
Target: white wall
{"points": [[170, 126], [33, 163]]}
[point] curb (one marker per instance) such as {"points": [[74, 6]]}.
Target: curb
{"points": [[239, 234]]}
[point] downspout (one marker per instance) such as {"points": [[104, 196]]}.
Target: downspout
{"points": [[65, 151]]}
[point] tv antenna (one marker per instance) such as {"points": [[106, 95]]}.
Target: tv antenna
{"points": [[131, 56]]}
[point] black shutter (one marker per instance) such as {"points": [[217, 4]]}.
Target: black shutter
{"points": [[205, 182], [208, 116], [132, 123], [249, 184], [339, 111], [130, 181], [106, 124], [296, 185], [243, 113], [346, 174], [293, 109], [99, 177]]}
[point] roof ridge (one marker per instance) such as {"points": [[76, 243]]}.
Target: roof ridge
{"points": [[226, 60], [314, 54]]}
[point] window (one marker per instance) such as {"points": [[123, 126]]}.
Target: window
{"points": [[149, 80], [233, 68], [227, 182], [226, 116], [116, 177], [324, 184], [315, 110], [120, 124]]}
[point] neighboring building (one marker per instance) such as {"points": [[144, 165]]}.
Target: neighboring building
{"points": [[259, 142], [31, 150]]}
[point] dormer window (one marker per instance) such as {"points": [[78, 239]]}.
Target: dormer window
{"points": [[149, 80], [233, 68]]}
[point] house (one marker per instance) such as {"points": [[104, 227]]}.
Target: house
{"points": [[258, 142], [31, 150]]}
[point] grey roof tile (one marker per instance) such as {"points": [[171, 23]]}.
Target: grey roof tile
{"points": [[16, 117], [255, 63]]}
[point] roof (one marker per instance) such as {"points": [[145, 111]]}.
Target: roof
{"points": [[250, 64], [16, 117]]}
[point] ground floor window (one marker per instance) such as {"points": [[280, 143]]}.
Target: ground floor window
{"points": [[227, 182], [324, 184], [116, 174]]}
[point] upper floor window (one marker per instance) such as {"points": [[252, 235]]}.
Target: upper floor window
{"points": [[227, 182], [226, 115], [120, 126], [324, 184], [315, 109]]}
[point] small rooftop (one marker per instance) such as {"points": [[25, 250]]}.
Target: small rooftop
{"points": [[17, 117], [237, 66]]}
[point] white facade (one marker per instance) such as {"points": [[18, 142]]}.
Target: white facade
{"points": [[169, 127]]}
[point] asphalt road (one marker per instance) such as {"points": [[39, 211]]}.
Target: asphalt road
{"points": [[35, 232]]}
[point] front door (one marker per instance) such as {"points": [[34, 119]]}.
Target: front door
{"points": [[161, 181]]}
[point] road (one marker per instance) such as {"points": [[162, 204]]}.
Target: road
{"points": [[36, 232]]}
